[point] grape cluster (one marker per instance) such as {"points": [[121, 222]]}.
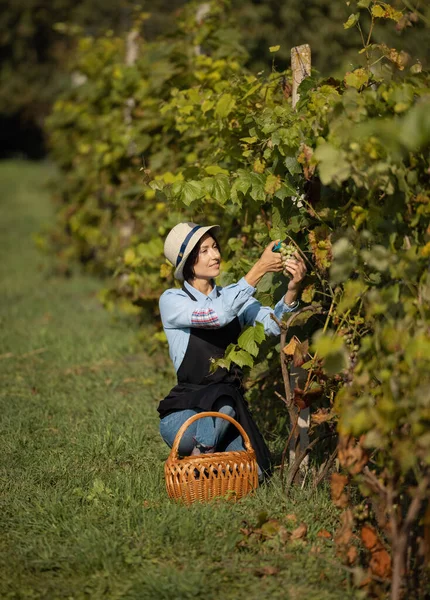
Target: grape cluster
{"points": [[287, 252], [361, 512]]}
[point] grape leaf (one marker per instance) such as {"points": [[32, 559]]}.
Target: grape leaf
{"points": [[241, 358], [225, 105]]}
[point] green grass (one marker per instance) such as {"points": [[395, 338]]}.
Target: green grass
{"points": [[84, 513]]}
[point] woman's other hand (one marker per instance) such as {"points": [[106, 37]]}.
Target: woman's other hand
{"points": [[297, 269]]}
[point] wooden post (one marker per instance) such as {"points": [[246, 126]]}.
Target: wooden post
{"points": [[202, 12], [301, 68], [130, 59]]}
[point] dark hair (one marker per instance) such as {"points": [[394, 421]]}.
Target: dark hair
{"points": [[188, 270]]}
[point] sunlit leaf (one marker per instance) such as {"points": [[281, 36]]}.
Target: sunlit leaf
{"points": [[225, 105], [352, 20]]}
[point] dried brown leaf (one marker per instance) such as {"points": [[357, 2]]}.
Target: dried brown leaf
{"points": [[380, 563], [323, 533], [291, 517], [284, 534], [304, 398], [351, 455], [300, 532], [290, 348], [267, 570], [321, 416], [352, 555], [338, 496], [301, 353], [369, 537], [344, 533]]}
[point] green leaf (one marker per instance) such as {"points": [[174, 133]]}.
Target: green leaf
{"points": [[247, 342], [241, 184], [242, 358], [352, 292], [357, 78], [225, 105], [254, 88], [378, 257], [301, 319], [273, 184], [221, 189], [259, 333], [344, 260], [286, 191], [217, 187], [327, 343], [292, 165], [251, 337], [188, 191], [364, 3], [377, 11], [264, 298], [257, 190], [266, 282], [220, 363], [215, 170], [332, 165], [352, 20], [279, 226], [414, 131], [386, 12], [207, 105], [330, 347], [274, 48]]}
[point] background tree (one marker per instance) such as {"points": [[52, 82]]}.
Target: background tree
{"points": [[35, 55]]}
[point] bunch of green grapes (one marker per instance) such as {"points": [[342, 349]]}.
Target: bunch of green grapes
{"points": [[287, 252]]}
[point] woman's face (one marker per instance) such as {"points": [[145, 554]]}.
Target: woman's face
{"points": [[209, 259]]}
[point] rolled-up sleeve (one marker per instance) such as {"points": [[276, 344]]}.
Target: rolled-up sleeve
{"points": [[254, 312], [177, 310]]}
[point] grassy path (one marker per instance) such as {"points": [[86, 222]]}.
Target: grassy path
{"points": [[83, 508]]}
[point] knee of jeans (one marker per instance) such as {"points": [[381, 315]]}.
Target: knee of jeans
{"points": [[227, 410]]}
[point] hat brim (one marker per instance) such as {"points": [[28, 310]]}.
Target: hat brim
{"points": [[191, 244]]}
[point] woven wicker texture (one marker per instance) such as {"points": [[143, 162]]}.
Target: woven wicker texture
{"points": [[229, 475]]}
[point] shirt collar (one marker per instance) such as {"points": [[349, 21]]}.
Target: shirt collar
{"points": [[199, 295]]}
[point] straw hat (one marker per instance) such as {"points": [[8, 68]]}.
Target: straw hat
{"points": [[180, 242]]}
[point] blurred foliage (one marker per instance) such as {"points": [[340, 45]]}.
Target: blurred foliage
{"points": [[35, 54]]}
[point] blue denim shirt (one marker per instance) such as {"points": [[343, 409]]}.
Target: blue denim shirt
{"points": [[179, 313]]}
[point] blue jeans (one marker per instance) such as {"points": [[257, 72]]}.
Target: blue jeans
{"points": [[208, 432]]}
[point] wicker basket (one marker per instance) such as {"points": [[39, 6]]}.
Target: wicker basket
{"points": [[199, 478]]}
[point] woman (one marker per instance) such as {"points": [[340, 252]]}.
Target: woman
{"points": [[200, 320]]}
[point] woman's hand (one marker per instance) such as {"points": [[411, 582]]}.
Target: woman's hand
{"points": [[269, 262], [297, 269]]}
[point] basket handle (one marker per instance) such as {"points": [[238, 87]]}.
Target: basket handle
{"points": [[188, 422]]}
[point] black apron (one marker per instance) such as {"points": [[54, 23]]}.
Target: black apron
{"points": [[198, 388]]}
